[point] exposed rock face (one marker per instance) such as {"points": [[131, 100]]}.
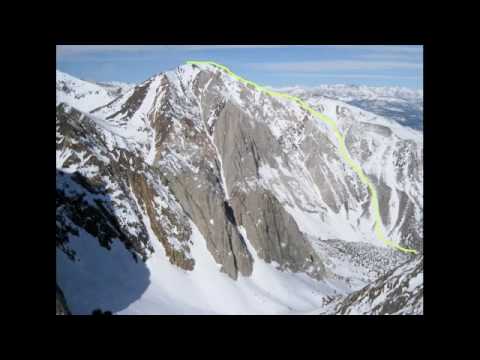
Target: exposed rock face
{"points": [[210, 212], [398, 292], [112, 193], [275, 234]]}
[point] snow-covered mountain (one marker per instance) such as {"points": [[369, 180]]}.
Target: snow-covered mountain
{"points": [[398, 103], [85, 95], [195, 193]]}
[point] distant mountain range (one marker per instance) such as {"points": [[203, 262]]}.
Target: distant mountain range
{"points": [[400, 104]]}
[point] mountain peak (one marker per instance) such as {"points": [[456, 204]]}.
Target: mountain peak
{"points": [[197, 193]]}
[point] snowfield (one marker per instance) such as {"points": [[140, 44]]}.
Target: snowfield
{"points": [[166, 289]]}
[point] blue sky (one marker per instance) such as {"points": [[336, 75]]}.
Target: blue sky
{"points": [[373, 65]]}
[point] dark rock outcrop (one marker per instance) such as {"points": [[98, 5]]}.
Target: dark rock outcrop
{"points": [[61, 304]]}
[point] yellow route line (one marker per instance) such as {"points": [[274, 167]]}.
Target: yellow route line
{"points": [[342, 149]]}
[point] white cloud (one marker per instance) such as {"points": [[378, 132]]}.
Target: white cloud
{"points": [[210, 47], [82, 49], [360, 76], [333, 65], [364, 51], [383, 48], [406, 57]]}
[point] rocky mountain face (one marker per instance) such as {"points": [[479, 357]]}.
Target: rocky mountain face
{"points": [[107, 190], [400, 104], [398, 292], [194, 176]]}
